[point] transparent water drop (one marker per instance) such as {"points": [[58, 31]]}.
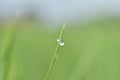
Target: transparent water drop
{"points": [[61, 42]]}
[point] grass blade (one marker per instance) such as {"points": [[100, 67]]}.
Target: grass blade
{"points": [[56, 53]]}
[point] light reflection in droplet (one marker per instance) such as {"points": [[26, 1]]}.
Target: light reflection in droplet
{"points": [[61, 42]]}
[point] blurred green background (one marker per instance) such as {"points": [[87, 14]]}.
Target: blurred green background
{"points": [[91, 51], [28, 33]]}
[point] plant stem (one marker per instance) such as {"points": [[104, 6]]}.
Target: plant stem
{"points": [[55, 54], [62, 30]]}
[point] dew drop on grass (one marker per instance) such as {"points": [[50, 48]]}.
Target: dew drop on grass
{"points": [[61, 42]]}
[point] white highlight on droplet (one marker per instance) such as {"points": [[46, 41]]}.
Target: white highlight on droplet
{"points": [[58, 40], [61, 42]]}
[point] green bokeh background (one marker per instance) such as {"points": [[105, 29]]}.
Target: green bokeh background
{"points": [[91, 51]]}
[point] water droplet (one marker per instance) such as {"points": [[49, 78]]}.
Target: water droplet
{"points": [[61, 43]]}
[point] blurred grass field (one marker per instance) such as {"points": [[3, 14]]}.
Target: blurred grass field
{"points": [[91, 52]]}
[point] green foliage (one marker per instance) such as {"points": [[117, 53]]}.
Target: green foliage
{"points": [[91, 52]]}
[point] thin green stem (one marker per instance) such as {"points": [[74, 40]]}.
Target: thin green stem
{"points": [[55, 54], [62, 30]]}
